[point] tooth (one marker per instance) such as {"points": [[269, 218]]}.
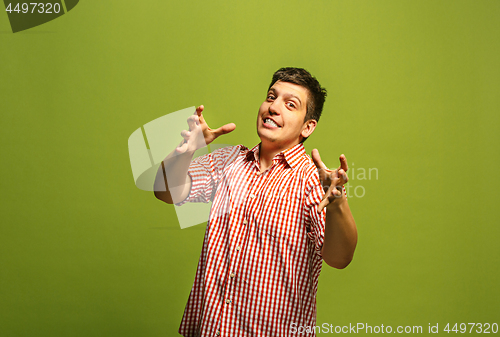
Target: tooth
{"points": [[270, 121]]}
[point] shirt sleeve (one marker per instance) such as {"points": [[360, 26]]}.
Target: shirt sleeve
{"points": [[314, 221], [205, 172], [202, 180]]}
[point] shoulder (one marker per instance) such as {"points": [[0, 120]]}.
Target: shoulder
{"points": [[308, 173], [299, 161], [228, 151], [226, 154], [306, 167]]}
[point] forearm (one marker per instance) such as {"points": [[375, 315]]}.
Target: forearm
{"points": [[341, 234], [175, 168]]}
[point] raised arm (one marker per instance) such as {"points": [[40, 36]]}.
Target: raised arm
{"points": [[176, 164], [341, 235]]}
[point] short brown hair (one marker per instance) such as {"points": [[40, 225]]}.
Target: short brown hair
{"points": [[302, 77]]}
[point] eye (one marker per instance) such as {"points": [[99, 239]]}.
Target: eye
{"points": [[291, 104], [270, 97]]}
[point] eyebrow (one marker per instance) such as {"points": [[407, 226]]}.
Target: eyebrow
{"points": [[287, 95]]}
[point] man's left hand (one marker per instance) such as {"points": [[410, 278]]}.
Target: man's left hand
{"points": [[332, 180]]}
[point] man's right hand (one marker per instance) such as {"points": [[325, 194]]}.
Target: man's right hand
{"points": [[176, 165], [199, 133]]}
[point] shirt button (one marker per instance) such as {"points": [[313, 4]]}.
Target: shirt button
{"points": [[232, 275], [238, 248], [217, 333], [228, 301], [252, 196], [245, 222]]}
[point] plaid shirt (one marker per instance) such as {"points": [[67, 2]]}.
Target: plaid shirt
{"points": [[261, 256]]}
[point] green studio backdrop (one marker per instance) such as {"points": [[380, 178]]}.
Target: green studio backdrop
{"points": [[412, 95]]}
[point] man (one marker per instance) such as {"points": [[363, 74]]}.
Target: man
{"points": [[271, 223]]}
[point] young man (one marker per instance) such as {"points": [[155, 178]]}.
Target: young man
{"points": [[271, 223]]}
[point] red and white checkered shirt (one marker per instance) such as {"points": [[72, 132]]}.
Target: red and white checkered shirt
{"points": [[261, 258]]}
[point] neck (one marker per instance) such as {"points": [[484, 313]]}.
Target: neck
{"points": [[267, 153], [266, 158]]}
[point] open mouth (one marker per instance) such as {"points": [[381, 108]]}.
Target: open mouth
{"points": [[270, 122]]}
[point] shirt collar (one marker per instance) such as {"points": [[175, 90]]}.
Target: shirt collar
{"points": [[290, 155]]}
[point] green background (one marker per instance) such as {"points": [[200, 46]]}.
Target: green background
{"points": [[413, 91]]}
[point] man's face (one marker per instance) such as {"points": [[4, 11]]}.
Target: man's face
{"points": [[280, 123]]}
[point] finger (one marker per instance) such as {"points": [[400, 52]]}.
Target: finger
{"points": [[337, 193], [186, 134], [224, 129], [331, 194], [198, 113], [326, 198], [193, 122], [338, 180], [343, 162], [181, 148], [199, 110], [323, 204], [317, 159], [342, 176]]}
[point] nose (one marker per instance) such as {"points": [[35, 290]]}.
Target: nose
{"points": [[273, 108]]}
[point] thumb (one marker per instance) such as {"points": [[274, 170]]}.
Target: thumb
{"points": [[343, 163], [317, 159], [224, 129]]}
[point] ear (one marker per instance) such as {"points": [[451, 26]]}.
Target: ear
{"points": [[308, 128]]}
